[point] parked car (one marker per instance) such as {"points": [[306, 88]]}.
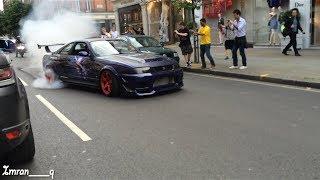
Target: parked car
{"points": [[150, 44], [114, 66], [16, 137], [7, 45]]}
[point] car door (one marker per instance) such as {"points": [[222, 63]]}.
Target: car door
{"points": [[62, 63], [80, 61]]}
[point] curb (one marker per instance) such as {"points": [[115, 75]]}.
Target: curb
{"points": [[256, 78]]}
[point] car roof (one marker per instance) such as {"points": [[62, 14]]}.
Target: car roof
{"points": [[97, 39], [135, 36]]}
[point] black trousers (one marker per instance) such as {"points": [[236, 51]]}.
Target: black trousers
{"points": [[293, 43], [240, 44]]}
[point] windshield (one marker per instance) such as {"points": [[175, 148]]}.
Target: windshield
{"points": [[106, 48], [148, 41], [134, 42]]}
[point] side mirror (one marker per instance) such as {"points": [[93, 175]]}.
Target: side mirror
{"points": [[84, 54]]}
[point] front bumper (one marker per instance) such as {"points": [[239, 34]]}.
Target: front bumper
{"points": [[145, 84]]}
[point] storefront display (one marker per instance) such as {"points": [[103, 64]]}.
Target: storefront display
{"points": [[130, 16], [212, 8]]}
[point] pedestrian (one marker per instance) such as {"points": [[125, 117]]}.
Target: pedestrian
{"points": [[131, 31], [220, 27], [105, 33], [205, 43], [292, 27], [229, 38], [240, 43], [114, 33], [140, 31], [185, 43], [274, 25]]}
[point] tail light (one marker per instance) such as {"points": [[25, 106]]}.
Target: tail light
{"points": [[6, 73]]}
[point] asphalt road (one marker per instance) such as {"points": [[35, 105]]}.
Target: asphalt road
{"points": [[215, 128]]}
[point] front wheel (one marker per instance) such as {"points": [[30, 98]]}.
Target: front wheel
{"points": [[109, 84]]}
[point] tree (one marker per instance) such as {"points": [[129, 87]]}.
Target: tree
{"points": [[14, 12], [189, 5]]}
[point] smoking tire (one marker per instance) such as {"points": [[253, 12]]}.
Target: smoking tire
{"points": [[49, 75], [109, 84]]}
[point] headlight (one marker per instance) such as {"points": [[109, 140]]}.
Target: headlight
{"points": [[142, 70], [175, 54], [20, 47]]}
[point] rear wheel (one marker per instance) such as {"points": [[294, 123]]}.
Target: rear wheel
{"points": [[25, 151], [109, 84], [49, 75]]}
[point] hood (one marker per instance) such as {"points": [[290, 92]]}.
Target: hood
{"points": [[157, 50], [139, 59]]}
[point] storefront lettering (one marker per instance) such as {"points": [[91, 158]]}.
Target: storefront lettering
{"points": [[297, 4]]}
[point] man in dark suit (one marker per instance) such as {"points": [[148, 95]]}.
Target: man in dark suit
{"points": [[292, 27]]}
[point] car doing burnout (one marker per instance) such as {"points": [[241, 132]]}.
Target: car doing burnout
{"points": [[114, 66], [16, 137]]}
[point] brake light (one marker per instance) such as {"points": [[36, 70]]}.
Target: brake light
{"points": [[13, 135], [5, 73]]}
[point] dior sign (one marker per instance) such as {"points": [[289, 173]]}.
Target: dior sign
{"points": [[298, 4]]}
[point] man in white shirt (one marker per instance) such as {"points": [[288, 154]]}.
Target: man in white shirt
{"points": [[240, 28], [114, 32]]}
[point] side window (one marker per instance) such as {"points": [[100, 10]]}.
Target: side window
{"points": [[66, 49], [81, 46]]}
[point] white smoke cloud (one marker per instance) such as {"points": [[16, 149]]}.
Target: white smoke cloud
{"points": [[48, 24]]}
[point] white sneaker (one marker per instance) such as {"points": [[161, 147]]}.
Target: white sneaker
{"points": [[243, 67], [233, 67]]}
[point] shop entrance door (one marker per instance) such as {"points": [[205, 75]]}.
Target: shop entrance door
{"points": [[316, 22]]}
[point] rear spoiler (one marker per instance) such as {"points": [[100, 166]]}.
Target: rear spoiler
{"points": [[46, 47]]}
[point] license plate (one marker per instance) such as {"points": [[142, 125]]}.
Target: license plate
{"points": [[162, 81]]}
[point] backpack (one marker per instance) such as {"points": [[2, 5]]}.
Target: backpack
{"points": [[282, 20]]}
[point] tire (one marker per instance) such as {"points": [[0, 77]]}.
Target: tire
{"points": [[109, 84], [25, 151], [50, 75]]}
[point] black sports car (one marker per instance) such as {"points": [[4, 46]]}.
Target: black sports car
{"points": [[16, 137], [150, 44], [114, 66]]}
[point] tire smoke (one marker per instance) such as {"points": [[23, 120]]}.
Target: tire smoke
{"points": [[51, 24]]}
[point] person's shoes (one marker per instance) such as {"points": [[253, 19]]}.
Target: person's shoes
{"points": [[285, 53], [226, 58], [202, 67], [243, 67], [233, 67], [297, 54]]}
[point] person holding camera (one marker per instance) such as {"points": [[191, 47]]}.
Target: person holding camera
{"points": [[240, 29]]}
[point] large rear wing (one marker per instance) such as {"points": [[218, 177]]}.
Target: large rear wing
{"points": [[46, 47]]}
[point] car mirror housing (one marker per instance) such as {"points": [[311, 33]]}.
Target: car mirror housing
{"points": [[84, 54]]}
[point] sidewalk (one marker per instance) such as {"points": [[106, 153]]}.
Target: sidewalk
{"points": [[267, 64]]}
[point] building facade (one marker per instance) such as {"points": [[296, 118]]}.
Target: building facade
{"points": [[256, 12], [156, 17]]}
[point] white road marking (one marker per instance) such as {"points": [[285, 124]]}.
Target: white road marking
{"points": [[23, 82], [257, 82], [64, 119]]}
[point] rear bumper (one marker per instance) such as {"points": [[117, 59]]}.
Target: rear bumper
{"points": [[8, 145], [144, 84], [14, 115]]}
